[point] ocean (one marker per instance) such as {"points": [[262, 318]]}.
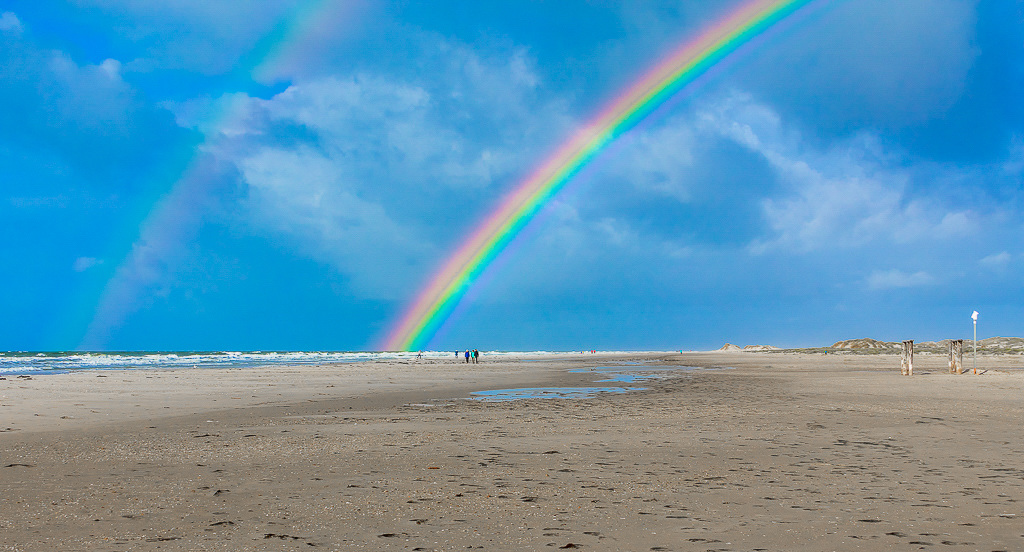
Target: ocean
{"points": [[22, 362]]}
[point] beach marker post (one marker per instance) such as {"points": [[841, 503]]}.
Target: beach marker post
{"points": [[907, 358], [975, 318], [956, 356]]}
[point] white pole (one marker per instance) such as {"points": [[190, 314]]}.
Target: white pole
{"points": [[975, 318]]}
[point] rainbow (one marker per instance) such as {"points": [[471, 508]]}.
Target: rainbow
{"points": [[439, 298], [170, 219]]}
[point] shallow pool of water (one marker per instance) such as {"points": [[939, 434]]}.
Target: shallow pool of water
{"points": [[497, 395], [630, 374], [620, 373]]}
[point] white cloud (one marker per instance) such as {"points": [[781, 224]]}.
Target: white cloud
{"points": [[617, 233], [374, 169], [896, 279], [396, 125], [85, 263], [364, 173], [609, 235], [306, 196], [996, 260], [848, 196], [92, 96], [214, 117], [656, 161], [828, 214], [112, 68], [842, 213], [10, 22], [466, 123]]}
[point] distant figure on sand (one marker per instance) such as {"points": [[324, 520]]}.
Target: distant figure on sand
{"points": [[467, 356], [476, 356]]}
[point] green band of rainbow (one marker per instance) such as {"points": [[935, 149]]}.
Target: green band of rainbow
{"points": [[438, 299]]}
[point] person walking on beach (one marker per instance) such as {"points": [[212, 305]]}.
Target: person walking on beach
{"points": [[476, 356], [467, 356]]}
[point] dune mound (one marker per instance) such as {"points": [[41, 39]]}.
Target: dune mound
{"points": [[730, 347], [865, 343], [1008, 345], [1014, 343]]}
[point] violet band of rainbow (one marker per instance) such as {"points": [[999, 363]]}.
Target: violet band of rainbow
{"points": [[439, 298]]}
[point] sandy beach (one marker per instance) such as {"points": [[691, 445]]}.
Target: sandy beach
{"points": [[758, 451]]}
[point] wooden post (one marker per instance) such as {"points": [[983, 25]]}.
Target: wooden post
{"points": [[907, 358], [952, 356], [956, 356]]}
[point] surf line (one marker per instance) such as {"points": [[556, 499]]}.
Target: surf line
{"points": [[439, 297]]}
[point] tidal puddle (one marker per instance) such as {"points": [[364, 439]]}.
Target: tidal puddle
{"points": [[631, 373], [637, 368], [620, 373], [629, 378], [497, 395]]}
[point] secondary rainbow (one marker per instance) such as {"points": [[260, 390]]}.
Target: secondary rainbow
{"points": [[440, 297], [158, 218]]}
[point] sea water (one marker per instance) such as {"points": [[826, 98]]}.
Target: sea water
{"points": [[21, 362], [26, 362], [33, 362]]}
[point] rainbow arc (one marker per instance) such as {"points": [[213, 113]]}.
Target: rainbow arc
{"points": [[435, 303]]}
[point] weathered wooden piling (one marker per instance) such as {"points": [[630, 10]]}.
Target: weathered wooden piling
{"points": [[956, 356], [907, 358]]}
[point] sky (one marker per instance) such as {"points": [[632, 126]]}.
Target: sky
{"points": [[288, 175]]}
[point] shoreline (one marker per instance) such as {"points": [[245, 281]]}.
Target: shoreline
{"points": [[55, 401], [782, 452]]}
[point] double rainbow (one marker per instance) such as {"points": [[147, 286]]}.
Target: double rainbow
{"points": [[438, 299]]}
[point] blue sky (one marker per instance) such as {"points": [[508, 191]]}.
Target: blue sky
{"points": [[287, 175]]}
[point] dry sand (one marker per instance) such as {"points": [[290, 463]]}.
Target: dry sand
{"points": [[781, 452]]}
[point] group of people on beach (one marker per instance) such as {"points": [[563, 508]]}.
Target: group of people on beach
{"points": [[472, 355]]}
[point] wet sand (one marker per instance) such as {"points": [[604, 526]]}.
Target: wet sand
{"points": [[780, 452]]}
